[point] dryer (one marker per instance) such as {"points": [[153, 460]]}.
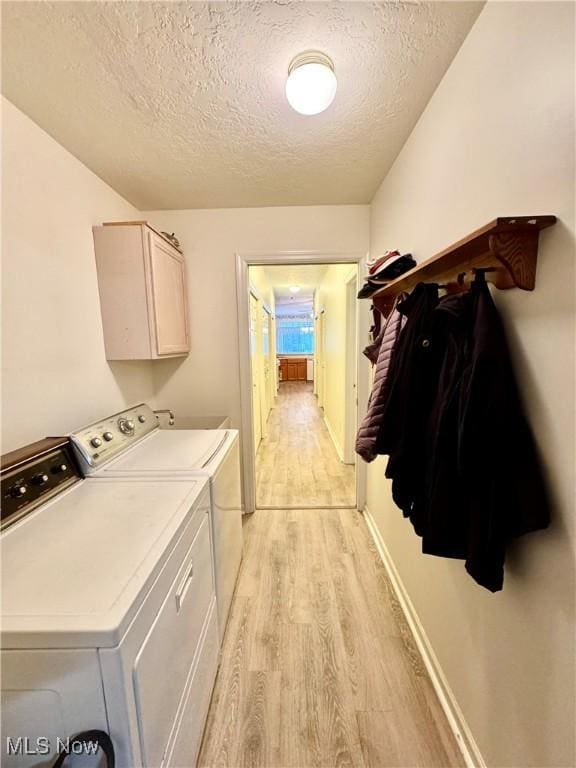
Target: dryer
{"points": [[108, 612]]}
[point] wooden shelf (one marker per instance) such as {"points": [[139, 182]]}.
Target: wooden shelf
{"points": [[507, 246]]}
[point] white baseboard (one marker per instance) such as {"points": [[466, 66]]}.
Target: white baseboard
{"points": [[456, 720], [337, 445]]}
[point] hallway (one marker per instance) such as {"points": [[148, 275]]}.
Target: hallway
{"points": [[318, 665], [297, 464]]}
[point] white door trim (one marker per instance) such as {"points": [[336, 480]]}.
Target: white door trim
{"points": [[351, 373], [255, 391], [258, 258]]}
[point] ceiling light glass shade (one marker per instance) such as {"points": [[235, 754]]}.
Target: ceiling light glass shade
{"points": [[294, 288], [311, 84]]}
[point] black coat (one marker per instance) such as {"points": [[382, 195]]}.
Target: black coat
{"points": [[411, 388], [463, 461]]}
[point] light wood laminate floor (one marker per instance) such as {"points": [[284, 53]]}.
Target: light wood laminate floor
{"points": [[297, 464], [318, 665]]}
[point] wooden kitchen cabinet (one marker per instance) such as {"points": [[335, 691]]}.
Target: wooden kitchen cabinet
{"points": [[293, 368], [143, 293]]}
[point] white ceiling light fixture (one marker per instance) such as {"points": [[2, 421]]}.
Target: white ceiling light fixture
{"points": [[294, 288], [311, 84]]}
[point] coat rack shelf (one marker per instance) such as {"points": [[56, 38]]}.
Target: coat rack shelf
{"points": [[507, 246]]}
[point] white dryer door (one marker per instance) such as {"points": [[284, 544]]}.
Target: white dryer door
{"points": [[164, 661]]}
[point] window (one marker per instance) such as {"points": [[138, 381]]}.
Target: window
{"points": [[295, 335]]}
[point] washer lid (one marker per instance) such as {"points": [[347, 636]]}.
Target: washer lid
{"points": [[173, 453], [75, 572]]}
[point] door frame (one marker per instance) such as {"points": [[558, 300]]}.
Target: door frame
{"points": [[254, 374], [262, 306], [351, 372], [265, 360], [319, 345], [250, 259]]}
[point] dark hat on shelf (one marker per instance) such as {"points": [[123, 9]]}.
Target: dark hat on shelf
{"points": [[367, 290], [390, 269]]}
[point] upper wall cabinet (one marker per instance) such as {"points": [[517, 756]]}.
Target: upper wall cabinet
{"points": [[143, 293]]}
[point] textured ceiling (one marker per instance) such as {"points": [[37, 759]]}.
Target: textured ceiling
{"points": [[307, 276], [181, 104]]}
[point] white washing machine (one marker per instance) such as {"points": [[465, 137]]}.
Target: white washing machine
{"points": [[108, 614], [131, 444]]}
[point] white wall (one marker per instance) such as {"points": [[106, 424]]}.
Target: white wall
{"points": [[55, 376], [331, 297], [259, 281], [207, 382], [497, 139]]}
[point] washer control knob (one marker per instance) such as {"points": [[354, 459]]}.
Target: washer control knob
{"points": [[59, 468], [108, 436], [40, 479], [141, 419], [96, 442], [18, 491], [126, 426]]}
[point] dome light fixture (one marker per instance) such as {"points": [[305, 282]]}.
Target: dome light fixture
{"points": [[294, 288], [311, 84]]}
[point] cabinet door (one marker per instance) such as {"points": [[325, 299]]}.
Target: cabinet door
{"points": [[169, 298], [292, 370], [302, 370]]}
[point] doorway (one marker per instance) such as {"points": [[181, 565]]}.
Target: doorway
{"points": [[300, 370]]}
